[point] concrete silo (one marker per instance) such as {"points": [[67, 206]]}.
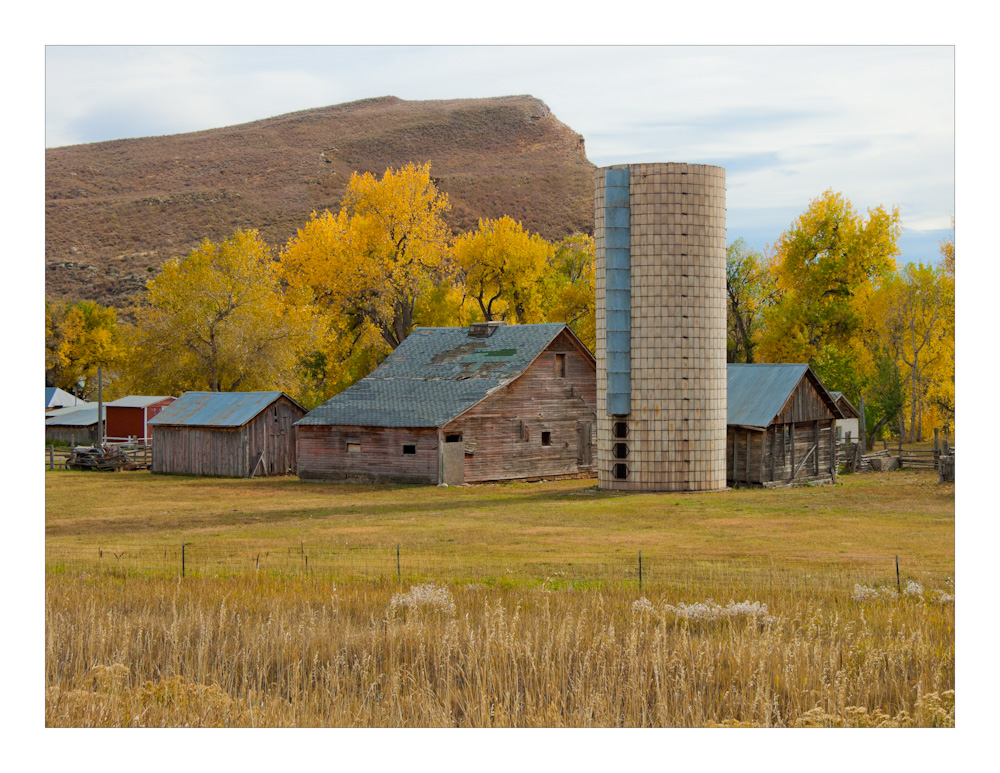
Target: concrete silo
{"points": [[660, 233]]}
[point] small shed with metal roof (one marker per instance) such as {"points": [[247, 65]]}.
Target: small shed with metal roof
{"points": [[462, 404], [230, 434], [849, 426], [74, 424], [781, 426], [128, 417]]}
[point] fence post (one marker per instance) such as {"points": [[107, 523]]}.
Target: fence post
{"points": [[937, 450], [182, 559], [52, 456], [399, 576], [899, 588], [640, 571]]}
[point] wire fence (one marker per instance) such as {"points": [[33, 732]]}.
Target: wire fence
{"points": [[618, 568]]}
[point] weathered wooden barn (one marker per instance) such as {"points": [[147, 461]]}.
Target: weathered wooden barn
{"points": [[781, 426], [76, 424], [849, 424], [230, 434], [460, 405], [128, 417]]}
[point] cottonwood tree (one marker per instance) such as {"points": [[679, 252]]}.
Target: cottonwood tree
{"points": [[826, 266], [503, 268], [750, 290], [374, 270], [570, 293], [219, 320], [915, 322], [79, 337]]}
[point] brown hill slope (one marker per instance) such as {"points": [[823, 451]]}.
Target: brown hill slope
{"points": [[116, 210]]}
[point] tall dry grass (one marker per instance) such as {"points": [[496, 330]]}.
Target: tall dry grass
{"points": [[127, 650]]}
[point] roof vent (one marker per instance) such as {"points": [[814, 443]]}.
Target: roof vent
{"points": [[484, 329]]}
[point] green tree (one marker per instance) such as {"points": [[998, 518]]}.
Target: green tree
{"points": [[219, 320]]}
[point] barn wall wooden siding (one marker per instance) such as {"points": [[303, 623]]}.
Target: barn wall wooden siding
{"points": [[502, 435], [323, 454], [798, 447], [231, 451]]}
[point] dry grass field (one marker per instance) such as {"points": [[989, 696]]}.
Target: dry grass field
{"points": [[514, 605]]}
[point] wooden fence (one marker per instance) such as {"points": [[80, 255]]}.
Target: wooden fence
{"points": [[851, 458]]}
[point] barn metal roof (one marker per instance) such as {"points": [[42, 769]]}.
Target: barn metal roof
{"points": [[756, 393], [137, 401], [215, 409], [436, 374], [82, 415]]}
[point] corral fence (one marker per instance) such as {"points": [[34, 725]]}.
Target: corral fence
{"points": [[851, 458]]}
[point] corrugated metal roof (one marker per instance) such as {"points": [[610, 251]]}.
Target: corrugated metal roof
{"points": [[434, 375], [74, 416], [215, 409], [137, 401], [59, 398], [755, 393]]}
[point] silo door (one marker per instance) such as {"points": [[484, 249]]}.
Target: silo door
{"points": [[454, 460]]}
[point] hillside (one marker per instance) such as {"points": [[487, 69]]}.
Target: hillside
{"points": [[115, 211]]}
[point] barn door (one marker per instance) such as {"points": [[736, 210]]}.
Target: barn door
{"points": [[454, 459]]}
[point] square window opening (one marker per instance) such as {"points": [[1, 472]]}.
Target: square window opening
{"points": [[409, 449], [353, 448], [546, 438], [561, 365]]}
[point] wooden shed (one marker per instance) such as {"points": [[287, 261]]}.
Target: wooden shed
{"points": [[128, 417], [230, 434], [781, 426], [849, 424], [76, 425], [460, 405]]}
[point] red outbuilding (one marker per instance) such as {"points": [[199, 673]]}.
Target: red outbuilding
{"points": [[127, 417]]}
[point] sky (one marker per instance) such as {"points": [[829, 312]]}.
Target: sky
{"points": [[875, 123]]}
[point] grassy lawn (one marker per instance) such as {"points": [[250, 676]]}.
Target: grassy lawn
{"points": [[853, 529]]}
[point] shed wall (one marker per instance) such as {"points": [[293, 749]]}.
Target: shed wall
{"points": [[765, 458], [200, 451], [230, 451]]}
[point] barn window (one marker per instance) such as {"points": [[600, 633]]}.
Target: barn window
{"points": [[546, 438], [457, 438], [561, 365], [409, 448], [353, 448]]}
